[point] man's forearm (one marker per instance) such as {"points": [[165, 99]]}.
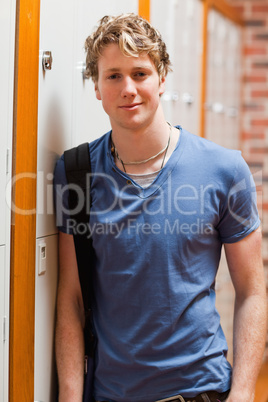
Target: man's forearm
{"points": [[249, 340], [70, 357]]}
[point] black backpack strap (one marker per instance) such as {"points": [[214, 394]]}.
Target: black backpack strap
{"points": [[78, 169]]}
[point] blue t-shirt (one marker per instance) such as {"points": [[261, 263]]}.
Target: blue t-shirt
{"points": [[157, 254]]}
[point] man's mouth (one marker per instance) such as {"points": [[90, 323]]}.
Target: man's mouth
{"points": [[131, 106]]}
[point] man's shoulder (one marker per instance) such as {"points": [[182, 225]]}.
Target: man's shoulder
{"points": [[99, 142], [94, 145], [207, 149]]}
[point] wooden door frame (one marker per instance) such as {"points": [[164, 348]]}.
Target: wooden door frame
{"points": [[144, 9], [23, 227]]}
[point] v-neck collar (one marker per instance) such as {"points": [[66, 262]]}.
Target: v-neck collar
{"points": [[125, 180]]}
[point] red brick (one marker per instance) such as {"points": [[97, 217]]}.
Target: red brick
{"points": [[239, 9], [253, 160], [252, 136], [265, 207], [259, 94], [255, 78], [259, 151], [259, 8], [248, 51], [259, 122]]}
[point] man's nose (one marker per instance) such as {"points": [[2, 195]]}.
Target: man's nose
{"points": [[128, 88]]}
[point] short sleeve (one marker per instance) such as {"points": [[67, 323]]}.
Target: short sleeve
{"points": [[239, 215], [61, 194]]}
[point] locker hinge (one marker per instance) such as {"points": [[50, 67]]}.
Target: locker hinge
{"points": [[7, 160], [4, 328]]}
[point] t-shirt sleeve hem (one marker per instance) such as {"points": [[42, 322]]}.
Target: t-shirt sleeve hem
{"points": [[239, 236], [63, 229]]}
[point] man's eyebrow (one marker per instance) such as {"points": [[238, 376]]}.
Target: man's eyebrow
{"points": [[112, 69], [116, 69], [149, 67]]}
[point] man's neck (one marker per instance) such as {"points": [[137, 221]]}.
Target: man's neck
{"points": [[139, 145]]}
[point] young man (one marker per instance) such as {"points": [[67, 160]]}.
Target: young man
{"points": [[163, 202]]}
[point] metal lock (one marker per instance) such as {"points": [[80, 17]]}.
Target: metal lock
{"points": [[170, 96], [187, 98], [218, 107], [47, 60]]}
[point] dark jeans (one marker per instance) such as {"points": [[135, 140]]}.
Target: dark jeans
{"points": [[210, 396], [214, 396]]}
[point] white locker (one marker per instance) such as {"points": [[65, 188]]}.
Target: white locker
{"points": [[45, 289], [54, 101], [68, 112], [2, 186], [7, 48], [223, 81], [180, 23], [3, 323], [89, 119], [7, 32]]}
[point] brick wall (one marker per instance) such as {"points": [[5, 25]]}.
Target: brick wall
{"points": [[254, 127]]}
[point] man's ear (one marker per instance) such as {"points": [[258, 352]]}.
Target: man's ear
{"points": [[97, 92], [162, 85]]}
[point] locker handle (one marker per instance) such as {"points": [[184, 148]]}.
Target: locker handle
{"points": [[232, 112], [218, 107], [170, 96], [187, 98], [47, 60]]}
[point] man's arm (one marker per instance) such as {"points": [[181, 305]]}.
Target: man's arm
{"points": [[69, 327], [244, 260]]}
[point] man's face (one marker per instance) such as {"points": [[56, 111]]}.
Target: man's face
{"points": [[129, 88]]}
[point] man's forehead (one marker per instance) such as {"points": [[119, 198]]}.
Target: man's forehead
{"points": [[112, 52]]}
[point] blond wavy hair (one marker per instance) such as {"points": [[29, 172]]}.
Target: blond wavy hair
{"points": [[134, 35]]}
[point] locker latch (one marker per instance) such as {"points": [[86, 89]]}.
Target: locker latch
{"points": [[47, 60]]}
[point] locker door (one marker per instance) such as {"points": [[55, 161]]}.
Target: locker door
{"points": [[45, 289], [57, 35], [69, 112], [180, 24], [233, 85], [57, 27], [89, 119], [2, 186], [7, 33], [2, 315], [163, 18], [223, 81], [189, 61]]}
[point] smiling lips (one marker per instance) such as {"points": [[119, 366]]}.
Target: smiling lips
{"points": [[132, 106]]}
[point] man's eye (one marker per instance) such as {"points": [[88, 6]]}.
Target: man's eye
{"points": [[140, 74], [113, 76]]}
